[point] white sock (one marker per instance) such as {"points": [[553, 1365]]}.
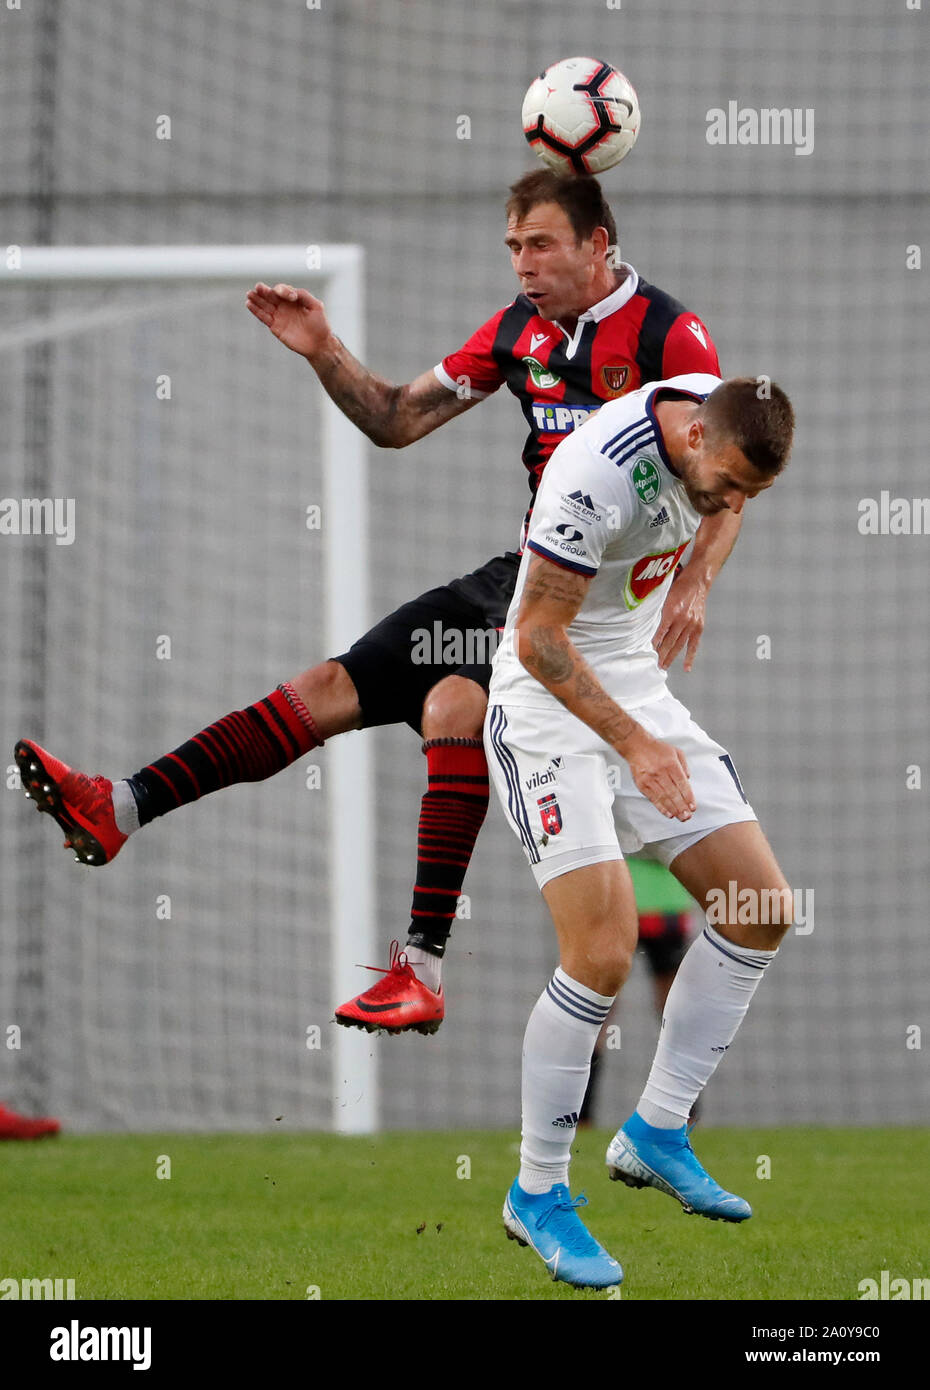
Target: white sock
{"points": [[706, 1005], [426, 967], [557, 1047], [125, 810]]}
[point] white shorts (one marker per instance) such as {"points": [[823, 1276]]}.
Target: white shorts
{"points": [[571, 798]]}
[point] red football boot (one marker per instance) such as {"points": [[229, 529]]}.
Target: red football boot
{"points": [[13, 1126], [397, 1004], [82, 806]]}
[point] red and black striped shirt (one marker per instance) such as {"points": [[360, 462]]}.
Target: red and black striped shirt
{"points": [[637, 334]]}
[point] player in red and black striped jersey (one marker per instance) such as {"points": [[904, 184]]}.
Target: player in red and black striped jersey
{"points": [[583, 330], [635, 334]]}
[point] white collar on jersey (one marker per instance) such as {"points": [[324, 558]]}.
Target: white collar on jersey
{"points": [[614, 301]]}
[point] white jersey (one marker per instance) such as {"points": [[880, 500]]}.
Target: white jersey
{"points": [[609, 506]]}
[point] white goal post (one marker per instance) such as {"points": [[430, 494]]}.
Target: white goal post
{"points": [[338, 271]]}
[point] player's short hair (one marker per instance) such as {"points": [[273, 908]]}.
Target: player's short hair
{"points": [[757, 416], [579, 196]]}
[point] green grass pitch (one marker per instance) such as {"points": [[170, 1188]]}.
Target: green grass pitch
{"points": [[390, 1217]]}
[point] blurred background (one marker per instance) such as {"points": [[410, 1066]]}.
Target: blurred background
{"points": [[341, 124]]}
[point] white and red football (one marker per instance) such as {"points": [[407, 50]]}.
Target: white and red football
{"points": [[581, 115]]}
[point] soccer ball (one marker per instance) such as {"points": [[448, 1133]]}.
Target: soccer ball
{"points": [[581, 115]]}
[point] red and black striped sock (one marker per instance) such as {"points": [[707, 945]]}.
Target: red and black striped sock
{"points": [[245, 746], [451, 814]]}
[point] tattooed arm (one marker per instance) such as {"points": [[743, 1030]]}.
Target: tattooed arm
{"points": [[389, 415], [551, 599]]}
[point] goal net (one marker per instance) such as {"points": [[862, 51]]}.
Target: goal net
{"points": [[184, 526]]}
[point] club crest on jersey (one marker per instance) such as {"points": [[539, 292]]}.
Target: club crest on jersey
{"points": [[646, 480], [549, 814], [543, 379], [615, 377], [648, 573]]}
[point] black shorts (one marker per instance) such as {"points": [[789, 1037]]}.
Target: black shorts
{"points": [[449, 631]]}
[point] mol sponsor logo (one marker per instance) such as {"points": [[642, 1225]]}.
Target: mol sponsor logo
{"points": [[649, 572]]}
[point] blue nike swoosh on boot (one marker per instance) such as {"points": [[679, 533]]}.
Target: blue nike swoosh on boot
{"points": [[548, 1222]]}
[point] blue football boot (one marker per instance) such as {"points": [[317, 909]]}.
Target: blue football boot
{"points": [[642, 1156], [548, 1222]]}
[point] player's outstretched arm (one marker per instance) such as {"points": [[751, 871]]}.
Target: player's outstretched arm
{"points": [[684, 610], [551, 599], [391, 416]]}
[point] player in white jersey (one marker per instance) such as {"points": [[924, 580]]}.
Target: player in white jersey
{"points": [[579, 714]]}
